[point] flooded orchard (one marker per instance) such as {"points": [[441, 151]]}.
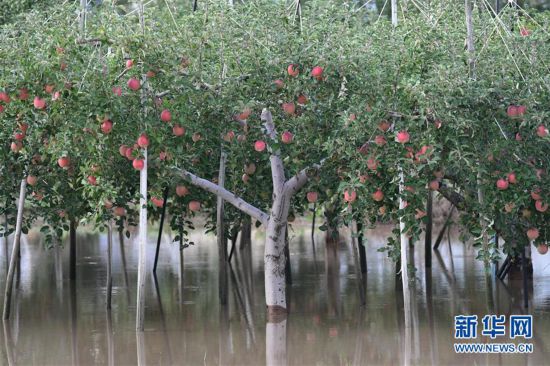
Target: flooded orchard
{"points": [[56, 323]]}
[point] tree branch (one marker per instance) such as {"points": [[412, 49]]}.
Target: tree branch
{"points": [[277, 168], [226, 195], [296, 183]]}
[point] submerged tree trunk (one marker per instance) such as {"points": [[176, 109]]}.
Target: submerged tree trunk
{"points": [[220, 233], [274, 257], [246, 234], [15, 249], [142, 259], [109, 263], [72, 248]]}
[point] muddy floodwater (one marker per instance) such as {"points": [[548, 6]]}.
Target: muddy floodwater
{"points": [[56, 323]]}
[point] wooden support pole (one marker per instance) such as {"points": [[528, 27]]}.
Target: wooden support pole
{"points": [[142, 246], [428, 234], [15, 249], [220, 233], [161, 226]]}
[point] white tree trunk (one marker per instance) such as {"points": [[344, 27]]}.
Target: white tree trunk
{"points": [[394, 12], [275, 343], [274, 258], [220, 233], [15, 250], [109, 263], [404, 240], [142, 258]]}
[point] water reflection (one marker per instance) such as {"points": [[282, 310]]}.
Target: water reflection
{"points": [[55, 323]]}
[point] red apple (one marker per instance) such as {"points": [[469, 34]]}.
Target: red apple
{"points": [[122, 150], [289, 108], [502, 184], [259, 146], [438, 123], [194, 205], [524, 32], [165, 116], [378, 195], [19, 136], [16, 146], [229, 136], [419, 214], [317, 73], [542, 131], [92, 180], [352, 117], [512, 111], [518, 137], [39, 103], [403, 137], [129, 63], [292, 70], [434, 185], [177, 130], [134, 84], [1, 108], [120, 211], [542, 248], [107, 126], [372, 164], [512, 178], [48, 89], [532, 233], [535, 194], [117, 90], [143, 141], [64, 162], [521, 110], [4, 97], [380, 140], [244, 114], [350, 196], [181, 191], [138, 164], [32, 180], [287, 137], [150, 74], [245, 178], [159, 202], [23, 94], [541, 206], [302, 99], [384, 126], [250, 169], [279, 84], [312, 197]]}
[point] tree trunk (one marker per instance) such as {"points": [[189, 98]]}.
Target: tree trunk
{"points": [[109, 263], [72, 249], [428, 234], [15, 249], [220, 233], [142, 257], [404, 240], [274, 257], [394, 12], [275, 343], [246, 234]]}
